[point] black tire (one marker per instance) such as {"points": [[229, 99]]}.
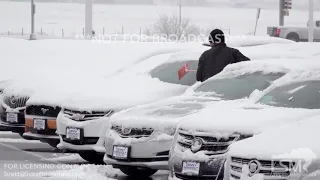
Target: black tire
{"points": [[137, 171], [92, 157], [293, 37], [53, 143], [26, 138]]}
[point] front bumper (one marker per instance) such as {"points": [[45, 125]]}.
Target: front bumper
{"points": [[210, 166], [147, 153], [49, 133], [18, 125], [17, 128], [92, 134]]}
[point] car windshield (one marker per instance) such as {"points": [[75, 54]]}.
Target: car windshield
{"points": [[237, 87], [168, 72], [296, 95]]}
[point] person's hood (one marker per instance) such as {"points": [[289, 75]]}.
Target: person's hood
{"points": [[245, 120], [161, 113]]}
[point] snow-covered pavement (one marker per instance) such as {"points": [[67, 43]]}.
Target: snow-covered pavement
{"points": [[33, 160]]}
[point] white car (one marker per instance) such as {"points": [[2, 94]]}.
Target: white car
{"points": [[139, 138], [287, 152], [83, 122], [200, 148]]}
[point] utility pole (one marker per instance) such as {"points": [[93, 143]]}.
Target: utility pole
{"points": [[311, 21], [257, 18], [284, 7], [180, 15], [88, 18], [281, 12], [33, 11]]}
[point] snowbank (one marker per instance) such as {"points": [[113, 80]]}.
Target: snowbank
{"points": [[84, 172]]}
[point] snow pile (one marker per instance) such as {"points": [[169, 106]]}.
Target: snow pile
{"points": [[70, 159], [84, 172]]}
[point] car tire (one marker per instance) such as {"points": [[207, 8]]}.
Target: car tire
{"points": [[26, 138], [293, 37], [137, 171], [53, 143], [92, 157]]}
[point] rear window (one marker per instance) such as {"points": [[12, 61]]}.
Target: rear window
{"points": [[168, 72]]}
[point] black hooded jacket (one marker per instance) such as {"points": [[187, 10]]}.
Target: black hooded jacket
{"points": [[214, 60]]}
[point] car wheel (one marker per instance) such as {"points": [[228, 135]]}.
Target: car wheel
{"points": [[53, 143], [26, 138], [137, 171], [92, 157], [293, 37]]}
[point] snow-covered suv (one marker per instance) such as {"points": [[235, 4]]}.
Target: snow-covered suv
{"points": [[139, 138], [199, 149]]}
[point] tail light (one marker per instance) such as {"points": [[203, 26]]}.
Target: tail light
{"points": [[278, 31]]}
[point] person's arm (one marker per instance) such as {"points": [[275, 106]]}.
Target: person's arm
{"points": [[200, 68], [239, 57]]}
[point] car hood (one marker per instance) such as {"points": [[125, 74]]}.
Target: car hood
{"points": [[297, 140], [246, 120], [113, 93], [163, 112]]}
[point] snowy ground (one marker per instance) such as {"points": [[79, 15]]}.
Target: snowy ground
{"points": [[52, 18], [32, 160]]}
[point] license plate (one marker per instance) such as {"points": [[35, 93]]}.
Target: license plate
{"points": [[191, 168], [120, 152], [73, 133], [39, 124], [12, 117]]}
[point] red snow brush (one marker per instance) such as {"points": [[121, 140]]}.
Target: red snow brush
{"points": [[184, 70]]}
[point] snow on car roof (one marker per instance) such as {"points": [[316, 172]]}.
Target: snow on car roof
{"points": [[290, 141]]}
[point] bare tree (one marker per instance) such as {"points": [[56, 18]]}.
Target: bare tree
{"points": [[171, 27]]}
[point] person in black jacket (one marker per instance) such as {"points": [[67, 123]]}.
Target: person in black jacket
{"points": [[214, 60]]}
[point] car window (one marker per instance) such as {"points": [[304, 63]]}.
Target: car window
{"points": [[238, 87], [297, 95], [168, 72]]}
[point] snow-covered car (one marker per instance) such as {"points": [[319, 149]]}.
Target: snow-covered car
{"points": [[14, 98], [288, 152], [3, 85], [83, 122], [45, 104], [139, 138], [199, 149], [40, 123]]}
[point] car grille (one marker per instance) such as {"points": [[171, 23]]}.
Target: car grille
{"points": [[133, 132], [210, 145], [86, 115], [15, 101], [276, 170], [47, 111]]}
